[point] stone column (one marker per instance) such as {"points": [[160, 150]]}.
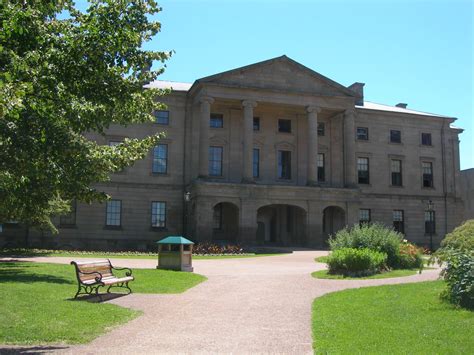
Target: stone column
{"points": [[312, 174], [205, 102], [247, 168], [349, 148]]}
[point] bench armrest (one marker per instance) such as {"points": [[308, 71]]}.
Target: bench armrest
{"points": [[97, 278], [128, 272]]}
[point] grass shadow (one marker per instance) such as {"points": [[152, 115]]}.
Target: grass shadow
{"points": [[30, 349], [102, 297], [11, 271]]}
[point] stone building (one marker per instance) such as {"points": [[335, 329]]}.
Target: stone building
{"points": [[274, 154], [467, 184]]}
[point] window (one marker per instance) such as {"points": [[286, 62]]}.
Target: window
{"points": [[395, 136], [427, 168], [320, 129], [284, 164], [256, 123], [217, 120], [430, 222], [256, 163], [396, 168], [162, 117], [69, 219], [215, 161], [362, 133], [363, 170], [158, 214], [320, 164], [364, 216], [426, 138], [284, 126], [398, 221], [217, 217], [113, 213], [160, 159]]}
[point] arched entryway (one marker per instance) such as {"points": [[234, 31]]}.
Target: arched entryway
{"points": [[334, 219], [281, 225], [225, 222]]}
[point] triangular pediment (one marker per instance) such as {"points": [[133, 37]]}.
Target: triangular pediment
{"points": [[282, 74]]}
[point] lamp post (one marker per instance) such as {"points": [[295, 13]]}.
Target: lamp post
{"points": [[187, 199], [430, 211]]}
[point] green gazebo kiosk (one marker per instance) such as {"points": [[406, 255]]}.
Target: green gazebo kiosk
{"points": [[175, 253]]}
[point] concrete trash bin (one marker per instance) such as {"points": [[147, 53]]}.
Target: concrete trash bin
{"points": [[175, 253]]}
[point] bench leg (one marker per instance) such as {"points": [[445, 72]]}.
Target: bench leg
{"points": [[122, 284]]}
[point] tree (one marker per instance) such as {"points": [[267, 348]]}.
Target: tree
{"points": [[64, 73]]}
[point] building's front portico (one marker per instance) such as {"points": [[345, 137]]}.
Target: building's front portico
{"points": [[269, 214]]}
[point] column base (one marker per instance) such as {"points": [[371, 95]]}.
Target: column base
{"points": [[247, 181], [312, 183]]}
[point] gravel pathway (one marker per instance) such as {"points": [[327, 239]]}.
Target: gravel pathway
{"points": [[253, 305]]}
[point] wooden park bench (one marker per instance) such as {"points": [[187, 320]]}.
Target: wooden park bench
{"points": [[94, 274]]}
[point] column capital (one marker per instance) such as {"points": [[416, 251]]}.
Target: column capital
{"points": [[249, 103], [349, 112], [315, 109], [210, 100]]}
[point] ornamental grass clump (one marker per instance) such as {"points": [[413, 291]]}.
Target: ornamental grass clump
{"points": [[457, 256], [373, 236], [356, 262]]}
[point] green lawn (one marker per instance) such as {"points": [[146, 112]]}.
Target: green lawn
{"points": [[323, 274], [396, 319], [37, 307], [322, 259]]}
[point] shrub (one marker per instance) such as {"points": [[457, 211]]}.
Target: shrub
{"points": [[461, 238], [459, 276], [356, 262], [374, 236], [411, 256]]}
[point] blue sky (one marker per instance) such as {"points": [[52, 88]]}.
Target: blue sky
{"points": [[418, 52]]}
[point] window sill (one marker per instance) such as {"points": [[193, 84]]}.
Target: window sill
{"points": [[158, 229], [395, 143], [362, 140], [162, 124], [286, 133], [426, 146], [428, 188], [397, 186], [67, 226], [159, 174], [113, 227]]}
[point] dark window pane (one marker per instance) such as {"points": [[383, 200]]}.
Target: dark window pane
{"points": [[395, 136], [396, 167], [215, 161], [321, 129], [321, 166], [158, 214], [256, 163], [160, 159], [426, 138], [162, 117], [364, 215], [284, 164], [284, 126], [363, 170], [398, 221], [69, 219], [427, 168], [430, 222], [256, 123], [217, 217], [113, 213], [362, 133], [216, 120]]}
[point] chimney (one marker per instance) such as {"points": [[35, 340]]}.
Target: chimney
{"points": [[401, 105], [358, 88]]}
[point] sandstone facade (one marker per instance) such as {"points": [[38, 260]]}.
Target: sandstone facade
{"points": [[326, 159]]}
